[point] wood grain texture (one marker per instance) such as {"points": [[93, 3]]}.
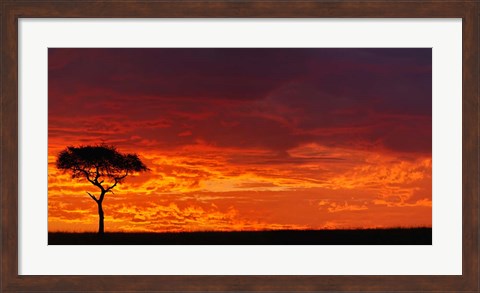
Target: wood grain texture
{"points": [[11, 11]]}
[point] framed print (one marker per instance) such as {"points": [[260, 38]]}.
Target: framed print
{"points": [[240, 146], [210, 149]]}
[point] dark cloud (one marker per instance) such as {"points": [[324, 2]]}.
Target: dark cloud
{"points": [[273, 99]]}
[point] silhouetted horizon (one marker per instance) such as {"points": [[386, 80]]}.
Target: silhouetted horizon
{"points": [[399, 236]]}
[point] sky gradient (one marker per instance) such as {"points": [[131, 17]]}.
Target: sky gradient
{"points": [[246, 139]]}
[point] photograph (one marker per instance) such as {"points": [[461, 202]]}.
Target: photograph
{"points": [[239, 146]]}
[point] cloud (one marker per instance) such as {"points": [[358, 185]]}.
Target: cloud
{"points": [[333, 207], [274, 99], [267, 133]]}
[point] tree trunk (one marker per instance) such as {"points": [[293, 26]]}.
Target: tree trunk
{"points": [[100, 218]]}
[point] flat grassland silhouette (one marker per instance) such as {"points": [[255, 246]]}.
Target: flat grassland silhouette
{"points": [[390, 236]]}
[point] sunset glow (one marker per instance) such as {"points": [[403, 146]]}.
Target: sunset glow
{"points": [[246, 139]]}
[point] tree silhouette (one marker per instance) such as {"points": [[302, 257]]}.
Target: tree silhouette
{"points": [[102, 165]]}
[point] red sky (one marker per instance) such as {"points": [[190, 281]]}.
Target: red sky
{"points": [[246, 139]]}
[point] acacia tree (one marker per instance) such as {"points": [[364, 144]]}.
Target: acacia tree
{"points": [[102, 165]]}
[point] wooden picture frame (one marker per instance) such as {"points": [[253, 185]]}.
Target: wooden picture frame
{"points": [[12, 10]]}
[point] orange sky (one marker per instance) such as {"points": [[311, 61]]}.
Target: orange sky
{"points": [[246, 139]]}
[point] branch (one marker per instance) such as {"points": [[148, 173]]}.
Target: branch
{"points": [[93, 197], [117, 180], [97, 174], [111, 187], [87, 175]]}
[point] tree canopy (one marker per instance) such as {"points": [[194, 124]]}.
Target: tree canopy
{"points": [[99, 164]]}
